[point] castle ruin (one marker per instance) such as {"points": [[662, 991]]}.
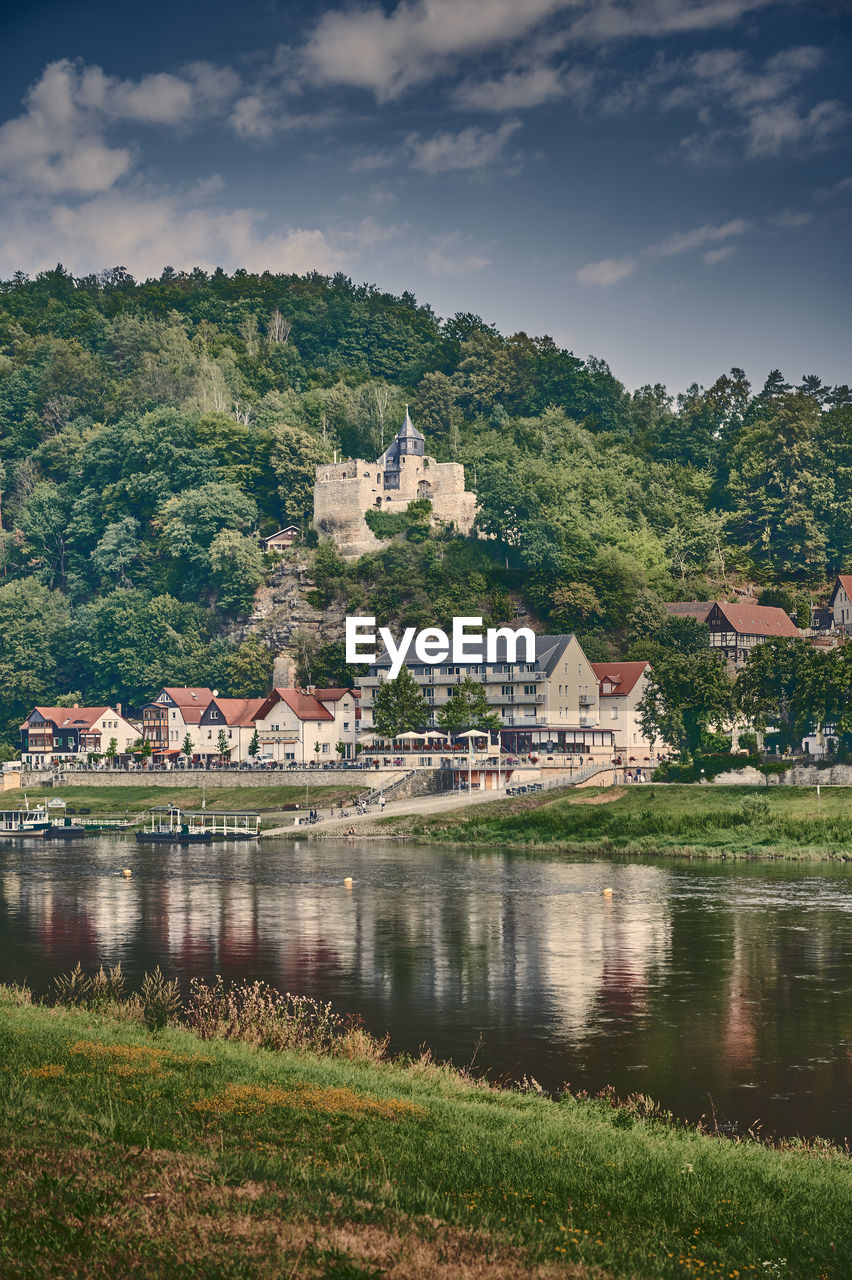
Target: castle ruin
{"points": [[344, 491]]}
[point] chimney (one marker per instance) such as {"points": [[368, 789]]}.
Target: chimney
{"points": [[76, 706], [118, 707]]}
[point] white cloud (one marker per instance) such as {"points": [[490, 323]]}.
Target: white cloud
{"points": [[606, 272], [59, 142], [713, 256], [683, 242], [144, 232], [782, 125], [521, 90], [472, 148], [448, 256], [367, 48], [791, 218]]}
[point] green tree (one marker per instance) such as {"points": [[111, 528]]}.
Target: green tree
{"points": [[112, 751], [468, 709], [254, 745], [237, 568], [787, 684], [687, 694], [186, 748], [223, 746], [249, 669], [296, 454], [398, 705], [34, 633]]}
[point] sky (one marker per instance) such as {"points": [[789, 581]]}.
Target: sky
{"points": [[664, 184]]}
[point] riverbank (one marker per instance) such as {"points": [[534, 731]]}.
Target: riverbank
{"points": [[271, 801], [126, 1152], [678, 820]]}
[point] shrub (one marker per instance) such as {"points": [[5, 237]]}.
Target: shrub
{"points": [[73, 987], [107, 986], [755, 808], [160, 999]]}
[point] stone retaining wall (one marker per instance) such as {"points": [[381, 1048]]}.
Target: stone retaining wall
{"points": [[798, 775], [359, 780]]}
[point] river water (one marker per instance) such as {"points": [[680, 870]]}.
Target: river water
{"points": [[723, 986]]}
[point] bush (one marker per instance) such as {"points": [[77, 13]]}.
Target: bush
{"points": [[160, 999], [73, 987], [755, 808]]}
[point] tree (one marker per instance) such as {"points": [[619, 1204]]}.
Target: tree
{"points": [[143, 749], [34, 627], [468, 709], [686, 695], [786, 683], [398, 706], [187, 748], [296, 454], [340, 748], [222, 745], [249, 669], [236, 563], [112, 751], [254, 745]]}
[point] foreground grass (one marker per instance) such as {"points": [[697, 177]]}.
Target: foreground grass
{"points": [[132, 1154], [136, 800], [704, 820]]}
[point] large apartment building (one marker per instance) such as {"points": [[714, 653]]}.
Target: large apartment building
{"points": [[552, 702]]}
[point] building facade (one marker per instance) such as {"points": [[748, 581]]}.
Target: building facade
{"points": [[344, 491], [306, 726], [551, 704], [174, 713], [56, 735], [235, 719], [621, 686]]}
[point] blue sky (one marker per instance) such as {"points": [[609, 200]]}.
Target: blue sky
{"points": [[666, 184]]}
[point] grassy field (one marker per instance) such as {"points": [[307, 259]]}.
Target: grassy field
{"points": [[136, 800], [783, 821], [126, 1153]]}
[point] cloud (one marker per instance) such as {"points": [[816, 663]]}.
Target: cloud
{"points": [[447, 256], [605, 20], [606, 272], [610, 270], [521, 90], [386, 54], [683, 242], [791, 218], [59, 142], [145, 231], [783, 126], [713, 256], [472, 148]]}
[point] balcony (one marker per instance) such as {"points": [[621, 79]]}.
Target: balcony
{"points": [[586, 699]]}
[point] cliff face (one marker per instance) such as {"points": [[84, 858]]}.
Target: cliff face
{"points": [[281, 609]]}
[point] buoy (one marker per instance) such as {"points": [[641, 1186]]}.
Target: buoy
{"points": [[127, 873], [348, 881], [607, 893]]}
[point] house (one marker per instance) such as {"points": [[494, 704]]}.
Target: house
{"points": [[621, 686], [303, 726], [174, 713], [840, 603], [55, 735], [551, 704], [737, 628], [235, 718], [281, 540]]}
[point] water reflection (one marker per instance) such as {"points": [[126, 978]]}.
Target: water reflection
{"points": [[705, 985]]}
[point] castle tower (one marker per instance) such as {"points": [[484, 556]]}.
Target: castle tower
{"points": [[404, 473]]}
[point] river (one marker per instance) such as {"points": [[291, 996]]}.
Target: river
{"points": [[721, 986]]}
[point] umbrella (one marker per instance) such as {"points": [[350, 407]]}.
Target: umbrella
{"points": [[474, 733], [409, 734], [433, 733]]}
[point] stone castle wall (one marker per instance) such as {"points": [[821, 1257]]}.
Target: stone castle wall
{"points": [[346, 490]]}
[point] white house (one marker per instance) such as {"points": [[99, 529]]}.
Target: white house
{"points": [[61, 734], [301, 726], [622, 685]]}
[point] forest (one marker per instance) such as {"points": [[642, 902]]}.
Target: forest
{"points": [[151, 432]]}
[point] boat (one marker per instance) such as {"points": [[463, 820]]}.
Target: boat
{"points": [[170, 825], [26, 821]]}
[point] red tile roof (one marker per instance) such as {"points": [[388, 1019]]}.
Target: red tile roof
{"points": [[757, 619], [191, 702], [72, 717], [304, 705], [238, 711], [332, 695], [623, 675]]}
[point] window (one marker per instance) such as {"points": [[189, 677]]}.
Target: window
{"points": [[560, 691], [325, 748], [529, 690], [345, 726], [614, 713], [214, 715], [506, 690], [209, 734]]}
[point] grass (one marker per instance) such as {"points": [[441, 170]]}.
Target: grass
{"points": [[136, 800], [704, 820], [125, 1153]]}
